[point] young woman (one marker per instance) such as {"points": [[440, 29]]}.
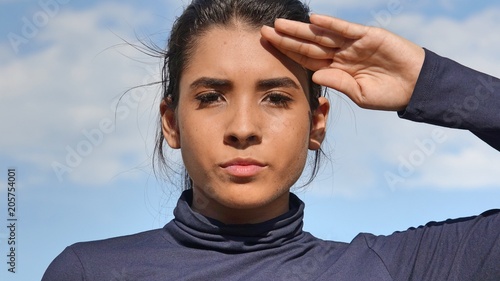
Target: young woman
{"points": [[243, 104]]}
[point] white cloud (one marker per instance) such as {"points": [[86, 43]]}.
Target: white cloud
{"points": [[347, 4], [473, 41], [375, 142], [69, 85], [473, 167]]}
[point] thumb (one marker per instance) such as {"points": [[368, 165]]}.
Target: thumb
{"points": [[338, 80]]}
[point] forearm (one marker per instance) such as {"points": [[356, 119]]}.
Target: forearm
{"points": [[452, 95]]}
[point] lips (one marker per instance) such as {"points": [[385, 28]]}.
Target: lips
{"points": [[243, 167]]}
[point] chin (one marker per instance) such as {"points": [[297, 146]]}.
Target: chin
{"points": [[246, 197], [234, 203]]}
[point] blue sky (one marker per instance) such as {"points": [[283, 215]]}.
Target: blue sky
{"points": [[64, 65]]}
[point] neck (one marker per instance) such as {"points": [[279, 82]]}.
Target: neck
{"points": [[240, 214]]}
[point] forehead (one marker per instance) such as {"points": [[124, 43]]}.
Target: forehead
{"points": [[239, 52]]}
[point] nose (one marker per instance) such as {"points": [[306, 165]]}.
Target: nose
{"points": [[243, 126]]}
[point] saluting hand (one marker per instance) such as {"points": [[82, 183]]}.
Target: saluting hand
{"points": [[374, 67]]}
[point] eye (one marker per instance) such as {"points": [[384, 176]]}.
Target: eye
{"points": [[209, 98], [278, 99]]}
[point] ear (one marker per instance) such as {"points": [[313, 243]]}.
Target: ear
{"points": [[169, 125], [318, 124]]}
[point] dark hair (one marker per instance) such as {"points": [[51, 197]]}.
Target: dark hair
{"points": [[196, 19]]}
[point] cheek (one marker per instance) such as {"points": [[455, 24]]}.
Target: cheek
{"points": [[295, 128], [191, 137], [200, 140], [291, 137]]}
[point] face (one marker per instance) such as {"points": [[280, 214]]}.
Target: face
{"points": [[243, 124]]}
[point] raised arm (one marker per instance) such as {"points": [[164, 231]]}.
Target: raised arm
{"points": [[375, 68], [380, 70]]}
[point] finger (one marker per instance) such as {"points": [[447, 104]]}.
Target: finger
{"points": [[307, 62], [309, 32], [344, 28], [296, 45], [339, 80]]}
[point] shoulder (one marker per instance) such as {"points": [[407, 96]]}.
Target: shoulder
{"points": [[451, 230], [103, 258], [473, 242], [116, 244]]}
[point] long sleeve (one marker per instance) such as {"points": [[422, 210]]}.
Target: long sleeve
{"points": [[465, 249], [65, 267], [452, 95]]}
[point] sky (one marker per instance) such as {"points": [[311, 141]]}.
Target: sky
{"points": [[82, 158]]}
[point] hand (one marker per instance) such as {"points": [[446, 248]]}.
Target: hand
{"points": [[373, 67]]}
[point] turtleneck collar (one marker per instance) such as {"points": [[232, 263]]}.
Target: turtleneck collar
{"points": [[194, 230]]}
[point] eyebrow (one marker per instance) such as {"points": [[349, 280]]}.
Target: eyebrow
{"points": [[266, 84], [208, 82], [281, 82]]}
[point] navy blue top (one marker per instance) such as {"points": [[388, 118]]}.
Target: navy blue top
{"points": [[194, 247]]}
